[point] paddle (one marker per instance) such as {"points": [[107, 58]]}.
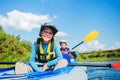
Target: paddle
{"points": [[89, 37], [115, 65]]}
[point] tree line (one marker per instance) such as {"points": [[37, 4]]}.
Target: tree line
{"points": [[107, 55], [12, 48]]}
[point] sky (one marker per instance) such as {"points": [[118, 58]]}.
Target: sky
{"points": [[73, 18]]}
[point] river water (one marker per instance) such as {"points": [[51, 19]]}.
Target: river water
{"points": [[103, 73]]}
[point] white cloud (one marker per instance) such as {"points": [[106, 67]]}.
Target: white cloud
{"points": [[116, 45], [61, 33], [91, 46], [23, 21], [96, 45]]}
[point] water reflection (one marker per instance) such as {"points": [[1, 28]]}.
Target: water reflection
{"points": [[103, 73]]}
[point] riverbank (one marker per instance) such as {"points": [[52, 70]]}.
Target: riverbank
{"points": [[101, 56]]}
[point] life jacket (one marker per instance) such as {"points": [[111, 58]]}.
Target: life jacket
{"points": [[65, 54], [64, 50], [49, 55]]}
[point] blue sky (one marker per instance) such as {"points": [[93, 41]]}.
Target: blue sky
{"points": [[73, 18]]}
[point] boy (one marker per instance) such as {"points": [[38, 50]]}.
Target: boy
{"points": [[45, 51], [66, 51]]}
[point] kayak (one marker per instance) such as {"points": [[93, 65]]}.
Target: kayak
{"points": [[66, 73]]}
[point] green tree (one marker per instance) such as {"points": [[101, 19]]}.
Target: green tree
{"points": [[12, 48]]}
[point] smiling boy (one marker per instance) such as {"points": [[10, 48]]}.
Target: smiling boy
{"points": [[45, 51]]}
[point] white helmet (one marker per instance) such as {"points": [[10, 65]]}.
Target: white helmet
{"points": [[63, 41]]}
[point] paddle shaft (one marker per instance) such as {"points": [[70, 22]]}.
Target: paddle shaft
{"points": [[85, 64], [71, 64], [90, 64], [7, 62], [77, 45]]}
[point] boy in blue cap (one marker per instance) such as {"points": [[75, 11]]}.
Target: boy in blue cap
{"points": [[44, 51]]}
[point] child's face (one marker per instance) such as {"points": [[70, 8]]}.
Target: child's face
{"points": [[47, 35], [63, 45]]}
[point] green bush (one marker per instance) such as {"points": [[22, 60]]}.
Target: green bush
{"points": [[12, 48]]}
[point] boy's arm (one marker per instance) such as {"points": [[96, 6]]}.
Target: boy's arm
{"points": [[58, 55], [32, 58]]}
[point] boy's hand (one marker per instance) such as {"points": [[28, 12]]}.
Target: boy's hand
{"points": [[45, 66], [71, 50]]}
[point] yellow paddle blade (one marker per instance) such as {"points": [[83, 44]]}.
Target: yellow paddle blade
{"points": [[91, 36]]}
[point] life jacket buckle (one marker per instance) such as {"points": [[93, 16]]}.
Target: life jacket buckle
{"points": [[51, 52]]}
